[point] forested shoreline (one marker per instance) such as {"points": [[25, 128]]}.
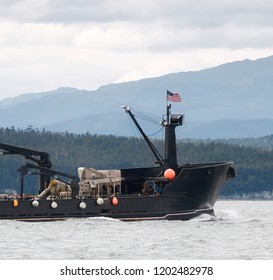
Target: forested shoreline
{"points": [[253, 164]]}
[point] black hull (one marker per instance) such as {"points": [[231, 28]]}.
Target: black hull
{"points": [[193, 192]]}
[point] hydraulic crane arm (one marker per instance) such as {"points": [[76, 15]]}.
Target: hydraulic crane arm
{"points": [[41, 158]]}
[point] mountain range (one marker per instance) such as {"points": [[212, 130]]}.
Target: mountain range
{"points": [[232, 100]]}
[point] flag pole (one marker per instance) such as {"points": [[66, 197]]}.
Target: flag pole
{"points": [[167, 105], [168, 108]]}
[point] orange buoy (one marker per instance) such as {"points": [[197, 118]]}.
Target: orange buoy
{"points": [[114, 201], [169, 174], [15, 203]]}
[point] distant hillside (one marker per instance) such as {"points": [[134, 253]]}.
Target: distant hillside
{"points": [[228, 101], [264, 143]]}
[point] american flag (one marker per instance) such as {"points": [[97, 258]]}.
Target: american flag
{"points": [[173, 97]]}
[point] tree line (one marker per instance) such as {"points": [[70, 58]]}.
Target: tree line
{"points": [[68, 151]]}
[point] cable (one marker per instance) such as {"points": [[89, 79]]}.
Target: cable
{"points": [[155, 132]]}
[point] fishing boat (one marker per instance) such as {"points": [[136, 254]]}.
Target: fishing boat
{"points": [[167, 190]]}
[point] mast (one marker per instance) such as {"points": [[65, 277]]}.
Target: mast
{"points": [[159, 159], [172, 121]]}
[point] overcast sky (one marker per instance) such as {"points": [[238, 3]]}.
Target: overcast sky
{"points": [[46, 44]]}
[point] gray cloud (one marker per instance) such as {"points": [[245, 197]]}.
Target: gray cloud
{"points": [[73, 40], [183, 12], [163, 24], [159, 25]]}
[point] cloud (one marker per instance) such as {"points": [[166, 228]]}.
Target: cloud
{"points": [[183, 12], [86, 43]]}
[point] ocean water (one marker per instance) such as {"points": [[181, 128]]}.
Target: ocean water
{"points": [[240, 230]]}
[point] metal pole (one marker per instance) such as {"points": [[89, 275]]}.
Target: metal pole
{"points": [[152, 147]]}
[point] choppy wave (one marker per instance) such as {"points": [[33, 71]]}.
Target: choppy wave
{"points": [[239, 230], [227, 215]]}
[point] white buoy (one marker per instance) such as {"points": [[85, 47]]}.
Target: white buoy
{"points": [[35, 203], [100, 201], [82, 205], [54, 204]]}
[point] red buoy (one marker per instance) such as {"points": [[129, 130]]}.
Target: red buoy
{"points": [[169, 174], [114, 201]]}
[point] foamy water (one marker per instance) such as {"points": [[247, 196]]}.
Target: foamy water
{"points": [[240, 230]]}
